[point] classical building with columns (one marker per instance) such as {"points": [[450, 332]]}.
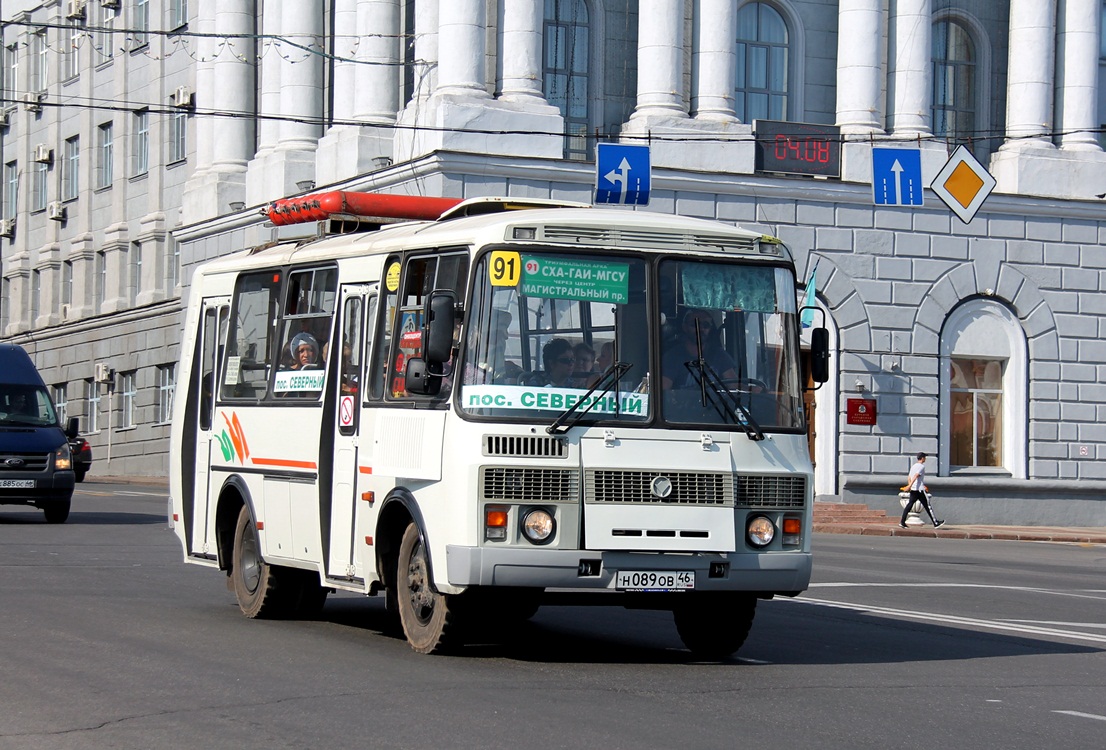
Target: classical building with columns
{"points": [[140, 138]]}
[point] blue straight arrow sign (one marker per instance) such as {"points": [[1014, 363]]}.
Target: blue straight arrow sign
{"points": [[897, 177], [622, 174]]}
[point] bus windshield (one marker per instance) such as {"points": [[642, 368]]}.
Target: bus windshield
{"points": [[551, 332], [729, 345], [543, 330]]}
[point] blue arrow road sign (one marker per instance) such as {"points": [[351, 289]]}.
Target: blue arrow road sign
{"points": [[622, 174], [897, 176]]}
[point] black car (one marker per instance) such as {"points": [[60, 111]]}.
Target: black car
{"points": [[82, 456]]}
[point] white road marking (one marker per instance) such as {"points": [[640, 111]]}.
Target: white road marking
{"points": [[1081, 715], [1064, 624], [1079, 594], [955, 620]]}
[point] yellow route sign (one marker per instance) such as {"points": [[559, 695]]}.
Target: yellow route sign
{"points": [[963, 184]]}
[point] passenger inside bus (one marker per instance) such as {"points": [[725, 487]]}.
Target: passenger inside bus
{"points": [[559, 363], [305, 352], [696, 326], [584, 372]]}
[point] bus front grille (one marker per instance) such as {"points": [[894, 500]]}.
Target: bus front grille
{"points": [[771, 491], [525, 446], [667, 487], [524, 485]]}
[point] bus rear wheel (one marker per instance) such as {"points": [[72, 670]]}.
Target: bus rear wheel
{"points": [[715, 626], [427, 616], [262, 590]]}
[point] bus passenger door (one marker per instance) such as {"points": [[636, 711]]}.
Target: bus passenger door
{"points": [[214, 318], [349, 449]]}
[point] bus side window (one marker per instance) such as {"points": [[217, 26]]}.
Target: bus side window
{"points": [[245, 372], [383, 327], [305, 331]]}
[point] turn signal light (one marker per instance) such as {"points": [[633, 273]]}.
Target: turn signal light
{"points": [[495, 523], [792, 526]]}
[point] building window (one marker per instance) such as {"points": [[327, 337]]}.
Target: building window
{"points": [[178, 136], [100, 272], [103, 38], [67, 283], [955, 84], [409, 61], [166, 386], [134, 272], [11, 190], [762, 52], [127, 394], [178, 13], [172, 265], [9, 71], [61, 402], [92, 415], [140, 23], [38, 186], [140, 156], [39, 66], [105, 148], [983, 390], [71, 169], [567, 63], [71, 58], [36, 293]]}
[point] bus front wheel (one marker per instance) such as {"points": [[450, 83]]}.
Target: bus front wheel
{"points": [[427, 616], [714, 626], [262, 590]]}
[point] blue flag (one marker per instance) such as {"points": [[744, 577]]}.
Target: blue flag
{"points": [[807, 317]]}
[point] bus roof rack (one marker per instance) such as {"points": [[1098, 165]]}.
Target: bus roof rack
{"points": [[354, 206]]}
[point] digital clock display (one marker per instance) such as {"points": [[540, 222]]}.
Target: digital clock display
{"points": [[797, 148]]}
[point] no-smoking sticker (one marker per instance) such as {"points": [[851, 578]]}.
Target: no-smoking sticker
{"points": [[345, 411]]}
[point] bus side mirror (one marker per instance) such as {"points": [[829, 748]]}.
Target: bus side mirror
{"points": [[819, 355], [438, 322], [417, 378]]}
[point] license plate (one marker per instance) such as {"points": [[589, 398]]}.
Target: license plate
{"points": [[654, 580], [17, 484]]}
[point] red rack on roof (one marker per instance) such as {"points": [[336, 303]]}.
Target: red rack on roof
{"points": [[321, 206]]}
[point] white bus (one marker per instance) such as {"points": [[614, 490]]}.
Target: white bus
{"points": [[506, 406]]}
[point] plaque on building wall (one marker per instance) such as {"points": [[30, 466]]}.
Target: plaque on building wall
{"points": [[860, 411], [797, 148]]}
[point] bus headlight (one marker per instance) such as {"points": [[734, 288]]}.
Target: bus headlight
{"points": [[538, 525], [760, 531]]}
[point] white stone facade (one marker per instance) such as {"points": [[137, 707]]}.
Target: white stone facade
{"points": [[455, 100]]}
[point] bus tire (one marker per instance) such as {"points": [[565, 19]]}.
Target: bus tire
{"points": [[427, 616], [262, 590], [714, 627]]}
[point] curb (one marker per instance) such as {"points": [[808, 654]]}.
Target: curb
{"points": [[1072, 536]]}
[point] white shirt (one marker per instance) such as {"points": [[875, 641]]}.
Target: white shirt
{"points": [[918, 471]]}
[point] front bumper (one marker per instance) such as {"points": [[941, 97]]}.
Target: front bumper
{"points": [[48, 488], [768, 573]]}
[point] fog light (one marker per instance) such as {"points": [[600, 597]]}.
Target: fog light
{"points": [[538, 525], [760, 531]]}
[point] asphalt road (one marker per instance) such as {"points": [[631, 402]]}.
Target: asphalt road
{"points": [[109, 640]]}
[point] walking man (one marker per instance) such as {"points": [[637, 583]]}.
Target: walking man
{"points": [[918, 492]]}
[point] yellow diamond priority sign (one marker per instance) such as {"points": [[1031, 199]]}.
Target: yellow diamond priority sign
{"points": [[963, 184]]}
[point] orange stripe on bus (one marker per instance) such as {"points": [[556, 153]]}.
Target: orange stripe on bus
{"points": [[365, 469], [287, 463]]}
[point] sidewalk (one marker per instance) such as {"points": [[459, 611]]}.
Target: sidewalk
{"points": [[834, 518]]}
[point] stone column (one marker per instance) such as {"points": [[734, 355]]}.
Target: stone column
{"points": [[911, 95], [205, 86], [462, 25], [1077, 98], [1029, 88], [377, 79], [859, 72], [520, 54], [660, 52], [713, 67], [426, 48], [301, 70]]}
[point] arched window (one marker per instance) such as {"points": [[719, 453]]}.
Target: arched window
{"points": [[955, 81], [983, 390], [566, 65], [761, 88]]}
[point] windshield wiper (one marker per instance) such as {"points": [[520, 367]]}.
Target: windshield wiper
{"points": [[572, 414], [720, 397]]}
